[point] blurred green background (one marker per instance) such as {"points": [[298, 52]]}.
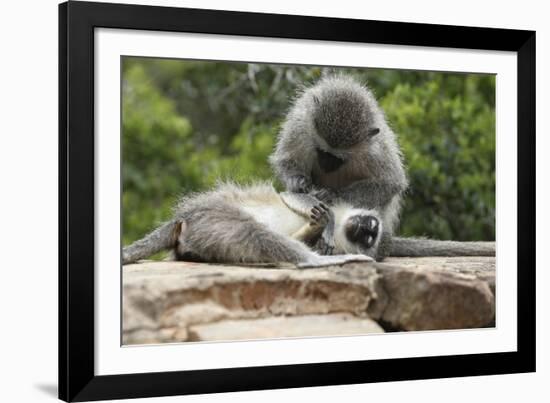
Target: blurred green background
{"points": [[187, 124]]}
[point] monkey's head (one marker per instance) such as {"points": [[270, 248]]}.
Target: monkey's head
{"points": [[342, 114], [357, 231]]}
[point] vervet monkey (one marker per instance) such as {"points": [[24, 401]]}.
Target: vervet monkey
{"points": [[335, 143], [255, 224]]}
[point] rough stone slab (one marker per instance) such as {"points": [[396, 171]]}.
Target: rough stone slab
{"points": [[436, 293], [481, 267], [284, 326], [164, 301], [171, 296]]}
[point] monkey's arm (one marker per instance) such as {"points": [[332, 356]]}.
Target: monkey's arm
{"points": [[320, 219], [293, 156], [301, 203], [310, 232]]}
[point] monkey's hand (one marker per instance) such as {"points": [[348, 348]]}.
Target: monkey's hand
{"points": [[325, 195], [298, 184], [325, 244]]}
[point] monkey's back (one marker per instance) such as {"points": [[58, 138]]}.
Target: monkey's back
{"points": [[234, 223], [259, 201]]}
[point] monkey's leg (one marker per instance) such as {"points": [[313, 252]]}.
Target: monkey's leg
{"points": [[278, 248], [162, 238]]}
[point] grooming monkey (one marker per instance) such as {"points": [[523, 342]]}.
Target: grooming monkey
{"points": [[335, 143], [255, 224]]}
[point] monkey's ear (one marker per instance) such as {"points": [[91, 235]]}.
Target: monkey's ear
{"points": [[373, 132], [316, 100]]}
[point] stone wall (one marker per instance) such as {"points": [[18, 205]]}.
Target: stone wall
{"points": [[182, 301]]}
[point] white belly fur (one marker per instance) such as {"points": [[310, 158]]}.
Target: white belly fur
{"points": [[277, 217]]}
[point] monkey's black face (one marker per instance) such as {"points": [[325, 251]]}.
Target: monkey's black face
{"points": [[362, 230], [328, 162]]}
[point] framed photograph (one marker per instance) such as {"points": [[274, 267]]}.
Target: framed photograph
{"points": [[257, 201]]}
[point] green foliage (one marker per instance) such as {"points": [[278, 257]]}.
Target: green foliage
{"points": [[155, 144], [447, 132], [162, 157], [188, 124]]}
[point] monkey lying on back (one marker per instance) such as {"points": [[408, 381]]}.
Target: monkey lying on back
{"points": [[233, 224], [336, 143]]}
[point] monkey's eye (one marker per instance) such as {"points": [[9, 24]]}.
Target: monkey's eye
{"points": [[373, 132]]}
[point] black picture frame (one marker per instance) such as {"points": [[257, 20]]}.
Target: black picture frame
{"points": [[77, 21]]}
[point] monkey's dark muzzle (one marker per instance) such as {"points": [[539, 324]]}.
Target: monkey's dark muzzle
{"points": [[328, 162], [362, 229]]}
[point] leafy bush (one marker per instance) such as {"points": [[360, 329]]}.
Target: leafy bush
{"points": [[447, 133]]}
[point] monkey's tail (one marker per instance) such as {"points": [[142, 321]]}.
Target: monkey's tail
{"points": [[162, 238], [417, 247]]}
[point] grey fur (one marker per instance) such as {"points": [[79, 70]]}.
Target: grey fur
{"points": [[340, 116], [162, 238], [233, 224], [219, 231]]}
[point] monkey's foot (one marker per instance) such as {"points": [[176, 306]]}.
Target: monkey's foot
{"points": [[321, 261]]}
